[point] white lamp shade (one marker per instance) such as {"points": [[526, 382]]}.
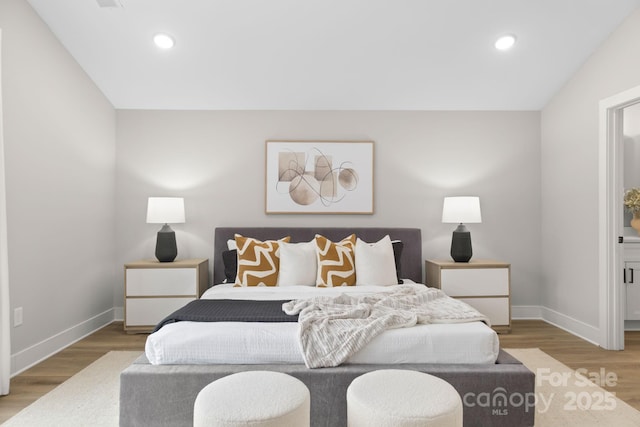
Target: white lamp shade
{"points": [[165, 210], [461, 209]]}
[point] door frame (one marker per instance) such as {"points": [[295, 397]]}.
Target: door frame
{"points": [[610, 202]]}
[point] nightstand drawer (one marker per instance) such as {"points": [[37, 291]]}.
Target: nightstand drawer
{"points": [[153, 289], [496, 309], [150, 311], [475, 282], [483, 284], [157, 282]]}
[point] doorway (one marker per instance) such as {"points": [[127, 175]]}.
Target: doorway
{"points": [[631, 236], [611, 229]]}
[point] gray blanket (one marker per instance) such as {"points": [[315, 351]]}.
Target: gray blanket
{"points": [[228, 310], [332, 329]]}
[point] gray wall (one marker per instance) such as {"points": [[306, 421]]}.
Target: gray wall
{"points": [[60, 153], [569, 169], [216, 161]]}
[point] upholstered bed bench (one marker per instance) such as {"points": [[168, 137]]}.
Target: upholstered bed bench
{"points": [[499, 395]]}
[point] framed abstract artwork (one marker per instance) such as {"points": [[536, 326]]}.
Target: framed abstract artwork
{"points": [[319, 177]]}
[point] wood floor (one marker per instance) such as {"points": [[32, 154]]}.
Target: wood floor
{"points": [[570, 350]]}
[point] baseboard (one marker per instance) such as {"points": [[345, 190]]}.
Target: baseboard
{"points": [[33, 355], [576, 327], [573, 326]]}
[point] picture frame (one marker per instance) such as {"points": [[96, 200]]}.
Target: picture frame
{"points": [[319, 177]]}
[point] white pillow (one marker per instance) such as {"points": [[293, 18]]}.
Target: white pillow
{"points": [[298, 264], [231, 244], [375, 263]]}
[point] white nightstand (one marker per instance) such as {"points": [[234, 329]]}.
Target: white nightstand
{"points": [[483, 284], [153, 290]]}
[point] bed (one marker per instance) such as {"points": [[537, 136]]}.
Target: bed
{"points": [[163, 392]]}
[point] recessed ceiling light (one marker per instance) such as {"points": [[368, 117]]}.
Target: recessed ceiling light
{"points": [[505, 42], [163, 41]]}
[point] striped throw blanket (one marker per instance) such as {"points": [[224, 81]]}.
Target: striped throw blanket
{"points": [[334, 328]]}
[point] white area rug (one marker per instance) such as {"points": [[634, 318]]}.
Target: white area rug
{"points": [[564, 397], [89, 398]]}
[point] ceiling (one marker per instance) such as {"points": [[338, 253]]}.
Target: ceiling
{"points": [[332, 54]]}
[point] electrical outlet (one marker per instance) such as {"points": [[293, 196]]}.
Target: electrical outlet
{"points": [[17, 317]]}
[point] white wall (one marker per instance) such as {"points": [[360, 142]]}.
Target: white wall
{"points": [[60, 153], [216, 161], [631, 156], [569, 168]]}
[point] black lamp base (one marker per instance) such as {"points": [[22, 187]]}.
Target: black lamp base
{"points": [[166, 248], [461, 244]]}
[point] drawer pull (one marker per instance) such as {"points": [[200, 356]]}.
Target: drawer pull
{"points": [[631, 270]]}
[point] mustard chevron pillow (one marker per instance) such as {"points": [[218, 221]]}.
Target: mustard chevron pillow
{"points": [[258, 261], [336, 262]]}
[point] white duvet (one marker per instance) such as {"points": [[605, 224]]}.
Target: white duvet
{"points": [[277, 343]]}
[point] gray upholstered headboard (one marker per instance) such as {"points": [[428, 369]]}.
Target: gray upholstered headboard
{"points": [[410, 261]]}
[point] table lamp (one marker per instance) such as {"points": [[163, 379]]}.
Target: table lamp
{"points": [[165, 210], [458, 210]]}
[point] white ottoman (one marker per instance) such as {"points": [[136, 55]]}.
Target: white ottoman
{"points": [[402, 398], [256, 398]]}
